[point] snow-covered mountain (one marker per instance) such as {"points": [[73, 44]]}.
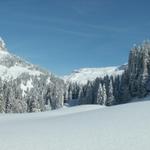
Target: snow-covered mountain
{"points": [[87, 127], [81, 76], [11, 66], [26, 81]]}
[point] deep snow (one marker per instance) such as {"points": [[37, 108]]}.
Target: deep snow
{"points": [[87, 127]]}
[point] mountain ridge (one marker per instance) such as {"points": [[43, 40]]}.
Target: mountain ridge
{"points": [[83, 75]]}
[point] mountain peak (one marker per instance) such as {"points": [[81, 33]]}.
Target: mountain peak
{"points": [[2, 45]]}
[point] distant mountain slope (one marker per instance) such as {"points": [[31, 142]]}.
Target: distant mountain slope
{"points": [[28, 85], [12, 67], [83, 75]]}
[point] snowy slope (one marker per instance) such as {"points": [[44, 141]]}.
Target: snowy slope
{"points": [[12, 66], [81, 76], [124, 127]]}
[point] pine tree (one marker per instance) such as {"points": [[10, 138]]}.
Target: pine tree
{"points": [[110, 96], [1, 105], [100, 96], [104, 95]]}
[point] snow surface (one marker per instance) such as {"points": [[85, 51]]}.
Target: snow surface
{"points": [[48, 80], [3, 54], [27, 86], [15, 71], [88, 127], [81, 76]]}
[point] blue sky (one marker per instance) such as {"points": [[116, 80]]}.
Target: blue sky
{"points": [[63, 35]]}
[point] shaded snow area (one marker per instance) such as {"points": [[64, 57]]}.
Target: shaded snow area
{"points": [[81, 76], [124, 127]]}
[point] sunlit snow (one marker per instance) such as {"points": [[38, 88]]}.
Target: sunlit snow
{"points": [[81, 76], [124, 127]]}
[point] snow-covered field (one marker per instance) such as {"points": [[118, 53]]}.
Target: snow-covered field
{"points": [[122, 127]]}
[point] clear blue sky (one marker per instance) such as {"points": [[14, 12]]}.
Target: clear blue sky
{"points": [[63, 35]]}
